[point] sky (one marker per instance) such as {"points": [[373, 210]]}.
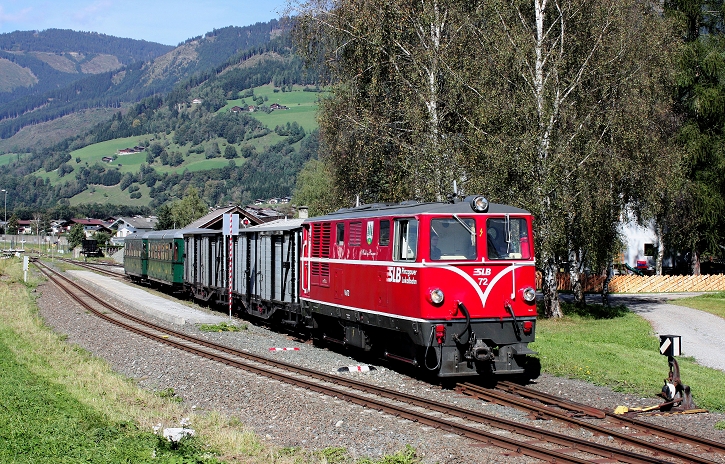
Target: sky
{"points": [[169, 22]]}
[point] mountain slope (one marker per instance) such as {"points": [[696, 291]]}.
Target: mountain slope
{"points": [[30, 104], [57, 57]]}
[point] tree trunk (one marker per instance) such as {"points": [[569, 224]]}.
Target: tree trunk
{"points": [[605, 286], [695, 262], [550, 290], [660, 250], [575, 276]]}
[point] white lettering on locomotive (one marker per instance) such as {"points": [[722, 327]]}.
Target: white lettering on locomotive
{"points": [[401, 275], [481, 271]]}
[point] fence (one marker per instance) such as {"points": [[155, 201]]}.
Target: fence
{"points": [[644, 284]]}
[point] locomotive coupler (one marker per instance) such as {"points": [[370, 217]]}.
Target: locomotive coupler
{"points": [[482, 352], [674, 391]]}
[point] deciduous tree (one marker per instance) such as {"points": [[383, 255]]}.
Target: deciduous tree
{"points": [[76, 234], [542, 104]]}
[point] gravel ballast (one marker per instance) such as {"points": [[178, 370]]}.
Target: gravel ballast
{"points": [[287, 416]]}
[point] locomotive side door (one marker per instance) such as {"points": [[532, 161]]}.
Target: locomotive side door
{"points": [[382, 290]]}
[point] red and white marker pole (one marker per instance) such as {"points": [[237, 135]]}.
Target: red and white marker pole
{"points": [[230, 266]]}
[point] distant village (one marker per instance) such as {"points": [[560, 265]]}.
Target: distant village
{"points": [[121, 227]]}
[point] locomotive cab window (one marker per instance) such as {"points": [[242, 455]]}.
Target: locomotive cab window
{"points": [[453, 238], [340, 233], [507, 238], [406, 239], [384, 238]]}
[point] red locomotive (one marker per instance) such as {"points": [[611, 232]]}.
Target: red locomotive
{"points": [[446, 286]]}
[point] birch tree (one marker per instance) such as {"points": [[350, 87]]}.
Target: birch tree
{"points": [[392, 124], [557, 106], [582, 89]]}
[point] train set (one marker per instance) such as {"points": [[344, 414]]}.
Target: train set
{"points": [[447, 287]]}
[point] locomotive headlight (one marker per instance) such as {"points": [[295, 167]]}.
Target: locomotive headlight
{"points": [[479, 204], [436, 296], [529, 294]]}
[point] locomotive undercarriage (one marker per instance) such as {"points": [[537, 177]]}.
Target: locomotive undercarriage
{"points": [[446, 348]]}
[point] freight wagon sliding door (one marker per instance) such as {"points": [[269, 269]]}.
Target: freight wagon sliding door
{"points": [[217, 265], [190, 264], [252, 273], [265, 274], [278, 267]]}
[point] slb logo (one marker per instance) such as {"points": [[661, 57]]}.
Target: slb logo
{"points": [[401, 275], [480, 272]]}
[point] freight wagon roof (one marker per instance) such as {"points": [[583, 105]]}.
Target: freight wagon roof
{"points": [[412, 208], [278, 224], [176, 233], [200, 231]]}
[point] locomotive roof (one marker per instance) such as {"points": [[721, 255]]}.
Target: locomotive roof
{"points": [[414, 207]]}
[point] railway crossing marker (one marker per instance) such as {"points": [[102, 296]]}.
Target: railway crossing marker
{"points": [[674, 391], [233, 221]]}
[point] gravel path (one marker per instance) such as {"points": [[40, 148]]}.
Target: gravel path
{"points": [[287, 416], [703, 335]]}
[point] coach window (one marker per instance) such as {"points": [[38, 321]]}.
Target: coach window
{"points": [[453, 238], [340, 233], [406, 239], [384, 239]]}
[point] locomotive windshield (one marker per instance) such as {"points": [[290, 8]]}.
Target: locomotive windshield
{"points": [[507, 238], [453, 238]]}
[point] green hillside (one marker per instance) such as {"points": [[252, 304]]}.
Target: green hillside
{"points": [[301, 104], [186, 137]]}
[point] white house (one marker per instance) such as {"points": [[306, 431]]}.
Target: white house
{"points": [[126, 226]]}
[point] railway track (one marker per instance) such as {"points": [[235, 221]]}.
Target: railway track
{"points": [[533, 441], [545, 406], [94, 267]]}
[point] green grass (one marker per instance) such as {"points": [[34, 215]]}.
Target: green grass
{"points": [[222, 327], [113, 194], [60, 404], [302, 107], [616, 348], [42, 419], [713, 303], [10, 157]]}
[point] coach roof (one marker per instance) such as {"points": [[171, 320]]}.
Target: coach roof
{"points": [[409, 208]]}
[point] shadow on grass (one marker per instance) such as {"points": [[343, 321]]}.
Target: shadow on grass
{"points": [[588, 311]]}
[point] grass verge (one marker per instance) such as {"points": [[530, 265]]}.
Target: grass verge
{"points": [[713, 303], [59, 404], [618, 349]]}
